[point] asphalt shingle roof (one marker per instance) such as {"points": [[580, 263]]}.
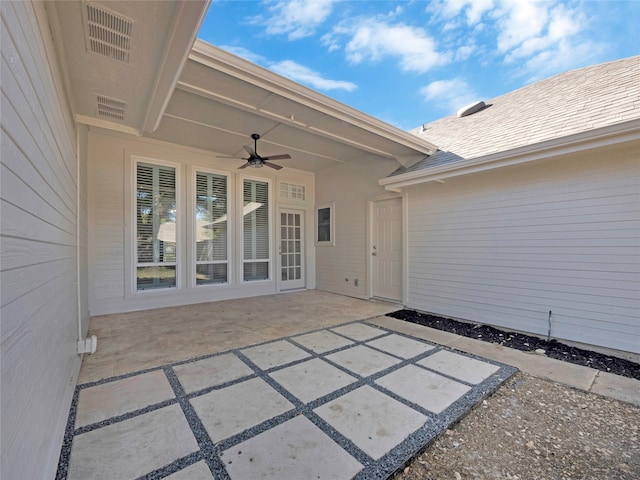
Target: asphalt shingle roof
{"points": [[569, 103]]}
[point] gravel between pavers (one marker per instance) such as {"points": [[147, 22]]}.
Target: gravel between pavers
{"points": [[536, 429]]}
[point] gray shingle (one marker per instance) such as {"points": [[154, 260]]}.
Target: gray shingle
{"points": [[571, 102]]}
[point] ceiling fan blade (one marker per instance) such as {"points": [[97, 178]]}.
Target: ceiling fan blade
{"points": [[272, 165], [237, 158], [250, 151], [244, 166], [284, 156]]}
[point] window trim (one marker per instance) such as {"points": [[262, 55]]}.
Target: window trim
{"points": [[332, 225], [131, 254], [241, 260], [192, 229]]}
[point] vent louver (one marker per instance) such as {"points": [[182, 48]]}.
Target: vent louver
{"points": [[108, 33], [111, 107]]}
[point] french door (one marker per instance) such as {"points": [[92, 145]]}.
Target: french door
{"points": [[291, 268]]}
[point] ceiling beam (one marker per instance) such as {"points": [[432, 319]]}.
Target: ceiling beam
{"points": [[243, 136], [178, 46]]}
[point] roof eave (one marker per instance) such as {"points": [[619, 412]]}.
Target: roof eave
{"points": [[604, 136]]}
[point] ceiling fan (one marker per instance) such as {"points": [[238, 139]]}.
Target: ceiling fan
{"points": [[257, 161]]}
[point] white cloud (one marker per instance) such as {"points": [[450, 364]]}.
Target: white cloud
{"points": [[473, 9], [300, 73], [450, 95], [296, 18], [372, 39], [531, 34]]}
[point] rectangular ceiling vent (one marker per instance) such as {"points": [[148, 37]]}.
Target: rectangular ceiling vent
{"points": [[111, 108], [108, 33]]}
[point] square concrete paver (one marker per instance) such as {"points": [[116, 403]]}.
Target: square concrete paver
{"points": [[232, 409], [197, 471], [210, 372], [294, 450], [121, 396], [133, 447], [358, 331], [401, 346], [312, 379], [464, 368], [274, 354], [322, 341], [427, 389], [375, 422], [363, 360]]}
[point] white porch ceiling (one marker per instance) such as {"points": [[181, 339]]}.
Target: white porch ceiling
{"points": [[197, 95]]}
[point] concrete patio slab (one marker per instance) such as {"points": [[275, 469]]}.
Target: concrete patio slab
{"points": [[231, 410], [296, 449], [322, 341], [274, 354], [122, 396], [401, 346], [278, 396], [372, 420], [358, 331], [298, 379], [458, 366], [429, 390], [133, 447], [362, 360], [197, 471], [210, 372]]}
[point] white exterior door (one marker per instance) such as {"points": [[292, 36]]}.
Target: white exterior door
{"points": [[291, 271], [386, 249]]}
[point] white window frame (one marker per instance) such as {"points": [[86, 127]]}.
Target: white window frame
{"points": [[241, 259], [193, 229], [132, 249], [332, 225]]}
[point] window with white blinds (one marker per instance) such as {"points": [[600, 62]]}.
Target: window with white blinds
{"points": [[211, 236], [255, 230], [156, 235]]}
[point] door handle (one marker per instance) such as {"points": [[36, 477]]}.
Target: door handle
{"points": [[374, 254]]}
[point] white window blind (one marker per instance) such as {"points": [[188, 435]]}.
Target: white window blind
{"points": [[156, 244], [211, 238], [255, 230]]}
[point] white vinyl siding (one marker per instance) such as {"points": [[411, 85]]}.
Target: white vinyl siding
{"points": [[508, 247], [39, 239], [255, 230], [211, 229], [348, 188], [156, 227]]}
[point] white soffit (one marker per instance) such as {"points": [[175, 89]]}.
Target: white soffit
{"points": [[122, 59], [220, 99]]}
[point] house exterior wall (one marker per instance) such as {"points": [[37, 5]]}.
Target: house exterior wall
{"points": [[350, 188], [505, 248], [39, 234], [111, 243]]}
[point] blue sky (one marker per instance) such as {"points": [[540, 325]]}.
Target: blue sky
{"points": [[412, 62]]}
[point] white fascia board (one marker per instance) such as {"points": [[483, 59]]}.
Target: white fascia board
{"points": [[178, 46], [240, 68], [610, 135]]}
